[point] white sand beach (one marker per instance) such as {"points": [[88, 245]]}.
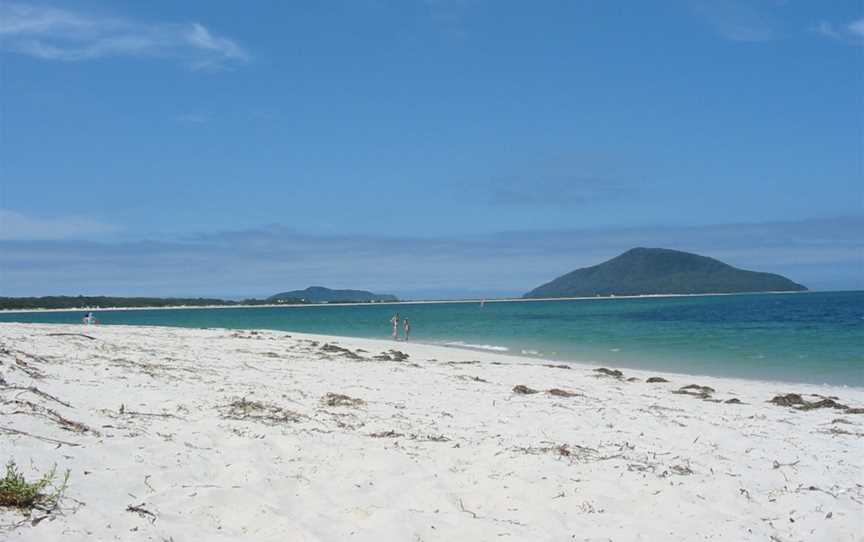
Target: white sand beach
{"points": [[212, 434]]}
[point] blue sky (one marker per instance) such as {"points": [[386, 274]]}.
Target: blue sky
{"points": [[427, 148]]}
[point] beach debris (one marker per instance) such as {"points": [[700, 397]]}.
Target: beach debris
{"points": [[797, 402], [472, 378], [386, 434], [572, 452], [391, 355], [344, 352], [524, 390], [245, 410], [32, 409], [656, 380], [29, 370], [703, 392], [338, 399], [562, 393], [33, 390], [615, 373], [790, 399], [463, 509], [248, 335], [70, 335], [680, 470], [841, 431], [12, 431], [430, 438], [143, 512], [554, 366]]}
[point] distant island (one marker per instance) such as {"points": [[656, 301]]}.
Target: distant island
{"points": [[320, 294], [647, 271]]}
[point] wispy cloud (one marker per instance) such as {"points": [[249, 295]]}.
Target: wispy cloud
{"points": [[51, 33], [18, 226], [819, 254], [563, 191], [194, 118], [736, 20], [449, 15], [850, 33], [569, 179]]}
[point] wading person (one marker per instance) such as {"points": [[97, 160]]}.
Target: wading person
{"points": [[394, 322]]}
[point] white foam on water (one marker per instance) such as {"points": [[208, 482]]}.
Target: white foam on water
{"points": [[492, 347]]}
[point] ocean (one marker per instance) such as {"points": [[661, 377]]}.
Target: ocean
{"points": [[815, 337]]}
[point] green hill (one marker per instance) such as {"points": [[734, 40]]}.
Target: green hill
{"points": [[645, 271], [320, 294]]}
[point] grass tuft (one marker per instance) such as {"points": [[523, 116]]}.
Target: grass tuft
{"points": [[17, 492]]}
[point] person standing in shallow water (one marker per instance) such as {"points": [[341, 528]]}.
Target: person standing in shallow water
{"points": [[394, 322], [406, 327]]}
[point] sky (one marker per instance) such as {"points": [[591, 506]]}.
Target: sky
{"points": [[427, 148]]}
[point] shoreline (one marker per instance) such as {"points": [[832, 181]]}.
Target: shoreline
{"points": [[417, 302], [266, 435], [498, 350]]}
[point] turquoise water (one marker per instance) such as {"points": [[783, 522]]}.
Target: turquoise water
{"points": [[811, 337]]}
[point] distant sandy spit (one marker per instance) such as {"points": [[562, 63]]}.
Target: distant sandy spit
{"points": [[364, 304], [191, 434]]}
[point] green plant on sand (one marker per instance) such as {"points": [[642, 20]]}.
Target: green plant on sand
{"points": [[17, 492]]}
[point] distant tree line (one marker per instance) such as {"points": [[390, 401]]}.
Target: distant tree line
{"points": [[74, 302]]}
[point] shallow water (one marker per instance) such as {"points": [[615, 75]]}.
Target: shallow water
{"points": [[810, 337]]}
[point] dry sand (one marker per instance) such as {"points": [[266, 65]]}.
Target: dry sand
{"points": [[184, 434]]}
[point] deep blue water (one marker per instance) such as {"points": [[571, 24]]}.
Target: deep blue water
{"points": [[810, 337]]}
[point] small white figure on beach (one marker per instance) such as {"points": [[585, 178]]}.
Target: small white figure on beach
{"points": [[90, 320], [406, 327], [394, 322]]}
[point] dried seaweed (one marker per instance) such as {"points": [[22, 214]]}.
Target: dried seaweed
{"points": [[797, 402], [340, 400], [245, 410], [695, 390], [386, 434], [562, 393], [524, 390], [344, 352]]}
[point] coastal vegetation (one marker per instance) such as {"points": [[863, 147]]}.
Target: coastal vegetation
{"points": [[17, 492], [320, 294], [76, 302], [647, 271], [313, 294]]}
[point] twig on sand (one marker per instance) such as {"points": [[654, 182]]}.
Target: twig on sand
{"points": [[28, 369], [37, 391], [34, 409], [143, 512], [46, 439], [777, 464], [70, 335], [462, 508], [152, 414]]}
